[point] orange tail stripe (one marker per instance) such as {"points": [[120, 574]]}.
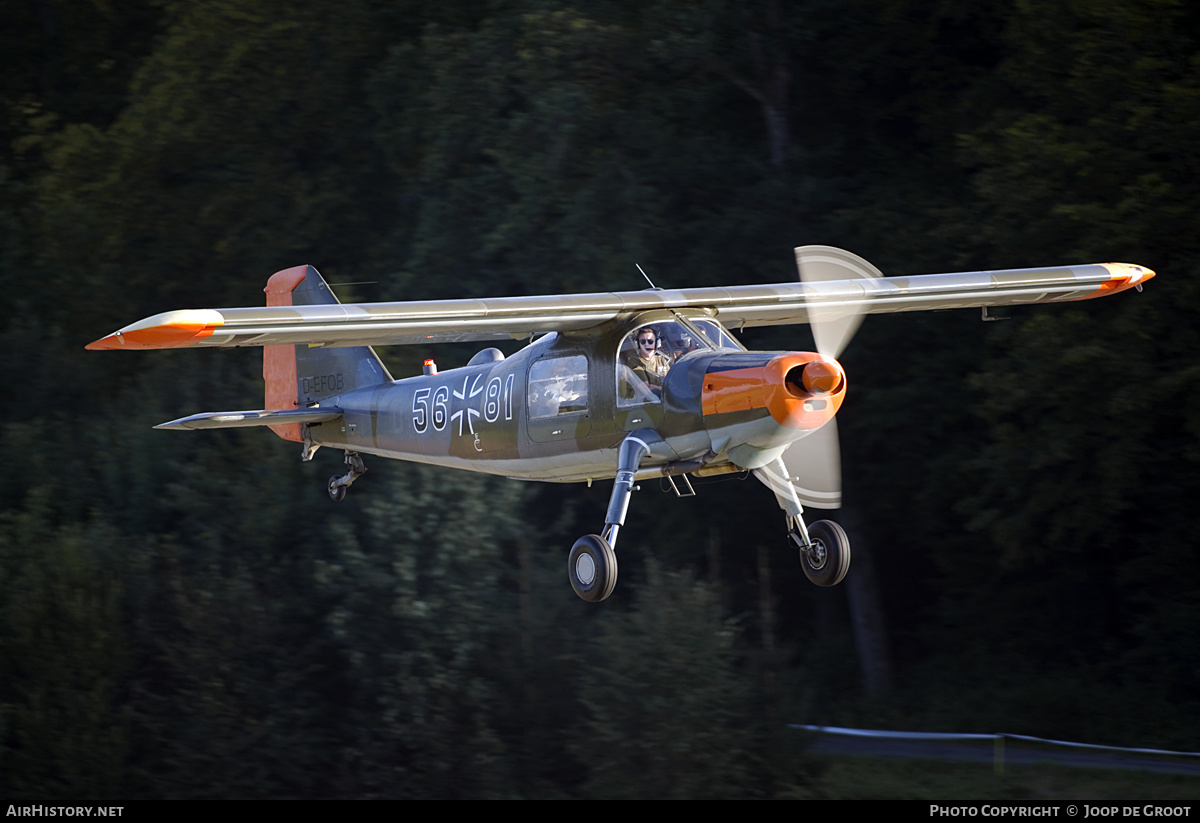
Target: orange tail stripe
{"points": [[279, 362]]}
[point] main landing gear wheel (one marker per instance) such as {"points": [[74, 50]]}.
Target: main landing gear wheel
{"points": [[592, 568], [337, 492], [827, 558]]}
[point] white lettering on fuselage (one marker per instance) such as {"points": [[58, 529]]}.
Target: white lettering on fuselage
{"points": [[431, 406]]}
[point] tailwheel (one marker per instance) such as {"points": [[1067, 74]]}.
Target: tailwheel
{"points": [[337, 492], [826, 558], [592, 568], [338, 486]]}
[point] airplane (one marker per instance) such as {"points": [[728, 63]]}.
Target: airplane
{"points": [[582, 401]]}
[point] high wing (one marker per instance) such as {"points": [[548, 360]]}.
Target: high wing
{"points": [[437, 321]]}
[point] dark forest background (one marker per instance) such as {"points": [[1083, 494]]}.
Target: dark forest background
{"points": [[190, 616]]}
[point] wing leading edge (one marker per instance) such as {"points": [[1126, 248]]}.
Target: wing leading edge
{"points": [[437, 321]]}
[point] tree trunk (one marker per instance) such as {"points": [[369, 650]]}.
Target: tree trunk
{"points": [[867, 620]]}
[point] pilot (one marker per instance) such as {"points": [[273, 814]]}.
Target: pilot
{"points": [[648, 363]]}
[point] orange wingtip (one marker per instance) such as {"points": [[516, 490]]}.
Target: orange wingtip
{"points": [[171, 330], [1123, 276]]}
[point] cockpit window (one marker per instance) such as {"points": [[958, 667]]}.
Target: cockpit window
{"points": [[647, 353], [716, 335]]}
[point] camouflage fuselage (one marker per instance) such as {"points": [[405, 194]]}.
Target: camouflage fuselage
{"points": [[716, 406]]}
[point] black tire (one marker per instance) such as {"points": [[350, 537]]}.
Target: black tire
{"points": [[827, 562], [336, 493], [592, 568]]}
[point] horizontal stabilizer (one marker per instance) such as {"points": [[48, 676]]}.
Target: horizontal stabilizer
{"points": [[240, 419]]}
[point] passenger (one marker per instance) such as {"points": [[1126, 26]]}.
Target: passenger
{"points": [[557, 388], [569, 387], [685, 344], [648, 363]]}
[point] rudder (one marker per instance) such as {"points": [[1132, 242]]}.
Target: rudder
{"points": [[297, 376]]}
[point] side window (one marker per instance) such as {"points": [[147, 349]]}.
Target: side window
{"points": [[558, 385]]}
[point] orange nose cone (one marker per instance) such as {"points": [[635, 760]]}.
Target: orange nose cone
{"points": [[821, 377], [802, 390]]}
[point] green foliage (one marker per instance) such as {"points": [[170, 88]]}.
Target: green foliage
{"points": [[64, 660], [67, 62], [423, 607], [186, 616], [245, 124], [654, 728], [1094, 449]]}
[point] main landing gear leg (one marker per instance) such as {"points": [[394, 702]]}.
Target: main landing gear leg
{"points": [[592, 565], [823, 546], [354, 470]]}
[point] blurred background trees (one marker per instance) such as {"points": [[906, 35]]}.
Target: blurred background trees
{"points": [[186, 616]]}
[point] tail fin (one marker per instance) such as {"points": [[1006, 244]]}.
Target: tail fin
{"points": [[297, 376]]}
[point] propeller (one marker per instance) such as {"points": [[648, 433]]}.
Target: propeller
{"points": [[813, 463], [834, 314]]}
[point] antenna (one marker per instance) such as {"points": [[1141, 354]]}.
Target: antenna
{"points": [[648, 280]]}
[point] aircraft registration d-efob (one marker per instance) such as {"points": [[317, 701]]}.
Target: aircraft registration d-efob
{"points": [[623, 385]]}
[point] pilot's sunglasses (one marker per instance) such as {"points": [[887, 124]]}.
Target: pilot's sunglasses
{"points": [[647, 343]]}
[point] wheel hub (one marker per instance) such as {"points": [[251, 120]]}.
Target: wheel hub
{"points": [[585, 569], [817, 555]]}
